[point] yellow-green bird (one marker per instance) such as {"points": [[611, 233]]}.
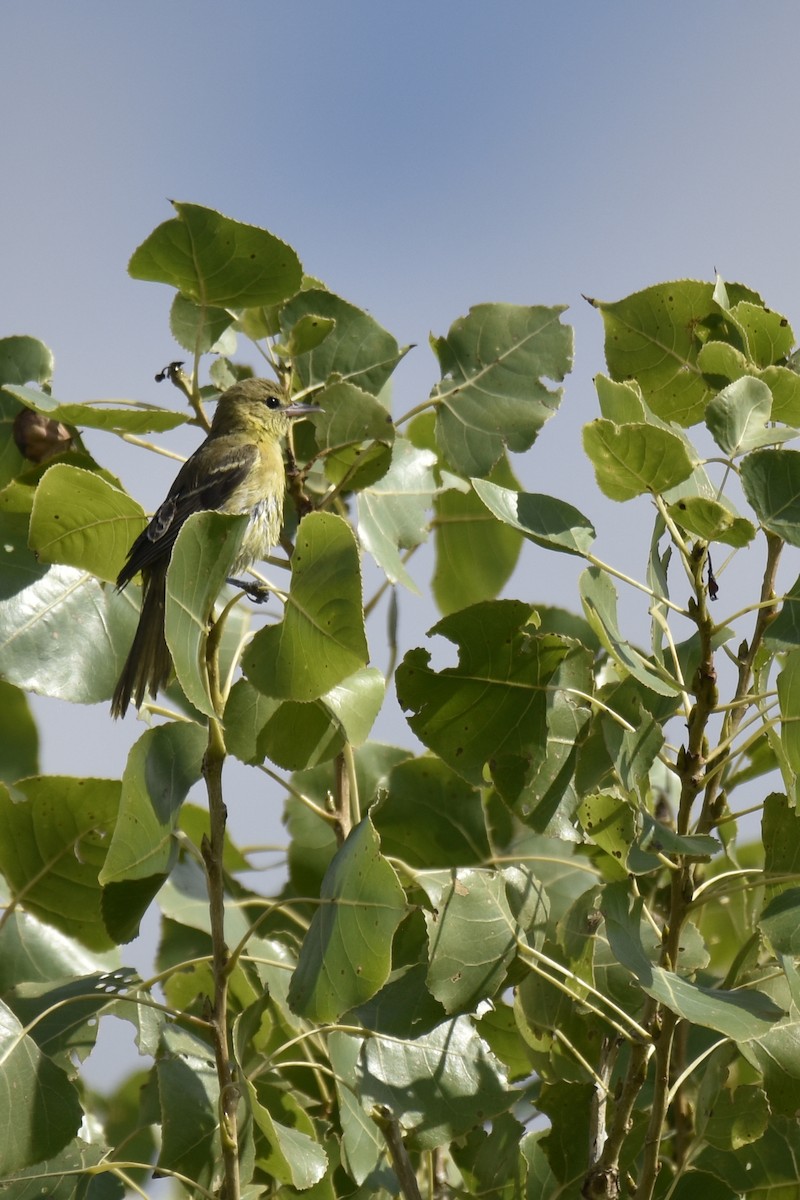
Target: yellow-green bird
{"points": [[239, 468]]}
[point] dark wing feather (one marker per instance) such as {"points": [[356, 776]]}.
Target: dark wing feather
{"points": [[206, 481]]}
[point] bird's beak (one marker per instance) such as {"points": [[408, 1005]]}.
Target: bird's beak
{"points": [[301, 410]]}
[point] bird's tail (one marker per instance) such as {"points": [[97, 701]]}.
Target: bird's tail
{"points": [[149, 664]]}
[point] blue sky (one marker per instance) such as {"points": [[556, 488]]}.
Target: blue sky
{"points": [[421, 157]]}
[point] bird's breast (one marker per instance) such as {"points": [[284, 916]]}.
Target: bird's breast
{"points": [[262, 532]]}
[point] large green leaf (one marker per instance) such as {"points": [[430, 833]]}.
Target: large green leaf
{"points": [[439, 1085], [81, 521], [475, 554], [430, 817], [363, 1144], [349, 416], [742, 1015], [66, 636], [651, 337], [110, 416], [346, 954], [216, 261], [201, 561], [39, 1108], [630, 460], [771, 482], [356, 349], [474, 931], [197, 327], [493, 705], [548, 522], [54, 838], [321, 639], [188, 1093], [494, 362], [293, 1157], [162, 766], [393, 513], [784, 632]]}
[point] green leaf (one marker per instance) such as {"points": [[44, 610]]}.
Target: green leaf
{"points": [[771, 482], [493, 705], [711, 521], [294, 1157], [363, 1144], [197, 327], [737, 417], [651, 336], [54, 838], [492, 395], [25, 360], [306, 335], [620, 402], [630, 460], [321, 640], [763, 1170], [784, 632], [742, 1014], [430, 817], [19, 737], [599, 598], [127, 418], [438, 1086], [202, 558], [393, 513], [188, 1094], [162, 766], [349, 416], [213, 260], [473, 933], [66, 636], [81, 521], [357, 349], [789, 699], [768, 335], [475, 554], [346, 954], [66, 1174], [39, 1108], [779, 921], [546, 521], [62, 1017]]}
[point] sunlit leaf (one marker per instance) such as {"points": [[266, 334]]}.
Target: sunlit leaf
{"points": [[492, 395], [630, 460]]}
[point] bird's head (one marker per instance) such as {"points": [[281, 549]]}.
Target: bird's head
{"points": [[257, 406]]}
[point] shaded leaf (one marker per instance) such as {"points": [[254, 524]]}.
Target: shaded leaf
{"points": [[491, 706], [711, 521], [437, 1086], [197, 327], [771, 482], [475, 555], [346, 954], [39, 1108], [124, 418], [53, 843]]}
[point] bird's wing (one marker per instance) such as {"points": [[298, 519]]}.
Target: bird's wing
{"points": [[206, 481]]}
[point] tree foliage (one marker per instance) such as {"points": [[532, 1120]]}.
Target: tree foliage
{"points": [[531, 961]]}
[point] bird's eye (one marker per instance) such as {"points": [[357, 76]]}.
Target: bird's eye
{"points": [[273, 402]]}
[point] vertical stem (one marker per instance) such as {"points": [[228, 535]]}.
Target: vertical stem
{"points": [[212, 849]]}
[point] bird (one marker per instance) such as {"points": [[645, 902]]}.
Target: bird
{"points": [[238, 469]]}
